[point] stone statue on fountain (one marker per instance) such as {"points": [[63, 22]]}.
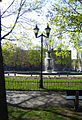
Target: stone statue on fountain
{"points": [[49, 62]]}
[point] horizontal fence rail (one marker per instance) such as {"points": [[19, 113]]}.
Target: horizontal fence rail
{"points": [[48, 84], [44, 73]]}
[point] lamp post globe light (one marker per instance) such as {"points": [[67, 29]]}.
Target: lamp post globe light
{"points": [[36, 30]]}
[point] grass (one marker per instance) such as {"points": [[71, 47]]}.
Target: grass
{"points": [[49, 84], [44, 113]]}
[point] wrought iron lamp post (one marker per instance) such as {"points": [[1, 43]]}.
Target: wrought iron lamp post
{"points": [[36, 30]]}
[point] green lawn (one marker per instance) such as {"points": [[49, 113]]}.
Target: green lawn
{"points": [[44, 113], [49, 84]]}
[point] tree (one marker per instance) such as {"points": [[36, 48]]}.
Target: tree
{"points": [[34, 56], [3, 104], [66, 16], [62, 57], [16, 58], [8, 51], [18, 11]]}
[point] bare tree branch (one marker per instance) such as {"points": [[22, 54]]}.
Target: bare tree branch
{"points": [[18, 15], [10, 39], [8, 7], [8, 15]]}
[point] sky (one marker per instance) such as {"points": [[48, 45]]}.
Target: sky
{"points": [[41, 19]]}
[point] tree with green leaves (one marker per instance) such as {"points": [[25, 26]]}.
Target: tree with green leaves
{"points": [[3, 103], [14, 11], [14, 56], [4, 14], [8, 50], [66, 22], [34, 56]]}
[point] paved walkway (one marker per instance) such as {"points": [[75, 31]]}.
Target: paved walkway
{"points": [[31, 99]]}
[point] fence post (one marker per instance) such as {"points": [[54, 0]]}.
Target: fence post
{"points": [[76, 100]]}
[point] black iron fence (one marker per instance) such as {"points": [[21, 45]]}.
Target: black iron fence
{"points": [[48, 84]]}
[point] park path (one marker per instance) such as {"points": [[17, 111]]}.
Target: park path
{"points": [[33, 99]]}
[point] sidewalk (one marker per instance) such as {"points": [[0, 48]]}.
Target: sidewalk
{"points": [[33, 99]]}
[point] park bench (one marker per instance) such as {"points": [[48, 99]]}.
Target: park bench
{"points": [[74, 95]]}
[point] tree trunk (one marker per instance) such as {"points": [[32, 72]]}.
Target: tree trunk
{"points": [[3, 103]]}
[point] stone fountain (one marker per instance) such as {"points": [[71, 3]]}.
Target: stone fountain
{"points": [[49, 63]]}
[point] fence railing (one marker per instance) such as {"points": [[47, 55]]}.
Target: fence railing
{"points": [[48, 84], [44, 73]]}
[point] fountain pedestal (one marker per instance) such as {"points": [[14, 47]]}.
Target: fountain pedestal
{"points": [[49, 63]]}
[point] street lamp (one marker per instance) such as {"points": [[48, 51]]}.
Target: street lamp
{"points": [[36, 30]]}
